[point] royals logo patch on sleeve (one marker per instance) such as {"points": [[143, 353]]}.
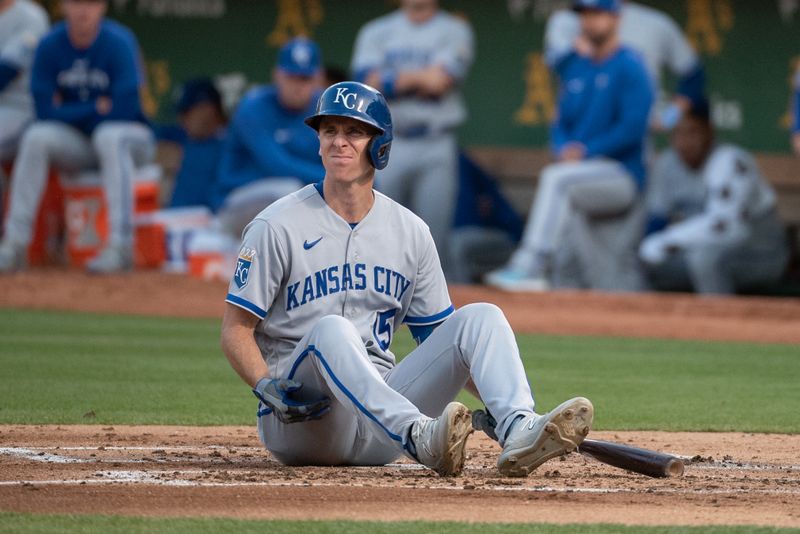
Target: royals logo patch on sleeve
{"points": [[243, 265]]}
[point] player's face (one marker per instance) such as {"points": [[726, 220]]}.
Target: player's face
{"points": [[83, 16], [295, 92], [598, 26], [202, 121], [343, 146], [692, 140]]}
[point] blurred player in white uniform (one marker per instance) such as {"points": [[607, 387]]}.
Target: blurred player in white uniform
{"points": [[22, 23], [418, 56], [713, 223], [658, 39], [325, 276]]}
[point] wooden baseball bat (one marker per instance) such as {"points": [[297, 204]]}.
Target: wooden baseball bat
{"points": [[644, 461]]}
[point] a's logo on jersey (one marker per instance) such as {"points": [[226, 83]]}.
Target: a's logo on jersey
{"points": [[309, 246], [243, 264]]}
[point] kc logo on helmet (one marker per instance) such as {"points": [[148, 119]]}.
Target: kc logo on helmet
{"points": [[346, 99]]}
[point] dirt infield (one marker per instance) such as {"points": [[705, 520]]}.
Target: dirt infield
{"points": [[746, 479], [184, 471]]}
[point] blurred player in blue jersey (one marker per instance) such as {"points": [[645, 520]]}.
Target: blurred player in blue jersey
{"points": [[86, 79], [598, 140], [658, 39], [269, 152], [418, 57], [714, 226], [22, 23], [796, 113], [201, 136]]}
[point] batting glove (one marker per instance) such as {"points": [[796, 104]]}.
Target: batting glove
{"points": [[275, 393]]}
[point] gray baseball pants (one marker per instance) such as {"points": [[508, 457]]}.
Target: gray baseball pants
{"points": [[372, 411], [115, 148]]}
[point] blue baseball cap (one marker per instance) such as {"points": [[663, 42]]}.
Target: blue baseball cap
{"points": [[612, 6], [300, 57], [195, 92]]}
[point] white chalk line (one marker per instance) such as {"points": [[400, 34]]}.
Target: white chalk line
{"points": [[155, 478]]}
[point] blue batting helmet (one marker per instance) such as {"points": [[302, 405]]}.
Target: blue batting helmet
{"points": [[365, 104]]}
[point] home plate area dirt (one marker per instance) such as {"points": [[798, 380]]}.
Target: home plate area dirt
{"points": [[730, 478]]}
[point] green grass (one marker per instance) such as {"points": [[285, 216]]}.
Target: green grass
{"points": [[59, 367], [24, 523]]}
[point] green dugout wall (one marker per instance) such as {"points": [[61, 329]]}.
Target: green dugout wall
{"points": [[750, 48]]}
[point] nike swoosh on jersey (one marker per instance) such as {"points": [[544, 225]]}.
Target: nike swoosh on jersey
{"points": [[309, 246]]}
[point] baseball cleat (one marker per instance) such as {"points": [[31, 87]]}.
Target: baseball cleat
{"points": [[111, 260], [538, 438], [12, 257], [441, 443], [509, 279]]}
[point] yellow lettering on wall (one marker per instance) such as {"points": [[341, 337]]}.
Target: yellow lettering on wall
{"points": [[538, 106], [707, 20], [295, 17], [158, 85]]}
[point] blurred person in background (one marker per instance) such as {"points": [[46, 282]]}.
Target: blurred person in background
{"points": [[201, 136], [587, 219], [269, 152], [796, 113], [658, 39], [22, 23], [713, 226], [418, 56], [86, 78]]}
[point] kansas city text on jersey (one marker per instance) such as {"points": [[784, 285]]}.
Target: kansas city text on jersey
{"points": [[333, 279]]}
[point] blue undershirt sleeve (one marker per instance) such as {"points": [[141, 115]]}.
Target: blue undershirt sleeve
{"points": [[7, 75], [421, 332]]}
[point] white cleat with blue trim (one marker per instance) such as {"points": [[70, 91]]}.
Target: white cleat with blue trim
{"points": [[537, 438], [441, 443]]}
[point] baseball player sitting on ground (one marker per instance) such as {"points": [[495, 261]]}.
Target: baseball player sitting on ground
{"points": [[598, 140], [269, 152], [712, 214], [419, 56], [325, 276], [86, 79], [658, 39], [22, 23]]}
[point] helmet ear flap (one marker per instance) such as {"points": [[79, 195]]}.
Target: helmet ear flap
{"points": [[379, 148]]}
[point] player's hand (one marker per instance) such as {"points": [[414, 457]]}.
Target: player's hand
{"points": [[103, 105], [796, 143], [572, 152], [434, 81], [276, 393]]}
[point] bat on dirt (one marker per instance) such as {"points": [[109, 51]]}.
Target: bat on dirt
{"points": [[644, 461]]}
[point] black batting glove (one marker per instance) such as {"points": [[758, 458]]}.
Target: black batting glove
{"points": [[275, 393]]}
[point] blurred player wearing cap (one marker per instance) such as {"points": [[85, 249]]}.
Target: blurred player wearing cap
{"points": [[598, 140], [658, 39], [86, 79], [201, 136], [269, 152], [796, 113], [712, 217]]}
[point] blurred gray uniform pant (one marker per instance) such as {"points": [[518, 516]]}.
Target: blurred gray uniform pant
{"points": [[12, 125], [245, 202], [116, 148], [422, 175], [759, 261], [586, 218]]}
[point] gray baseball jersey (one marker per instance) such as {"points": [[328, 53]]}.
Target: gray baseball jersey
{"points": [[393, 43], [300, 262], [650, 32], [717, 204], [21, 26]]}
